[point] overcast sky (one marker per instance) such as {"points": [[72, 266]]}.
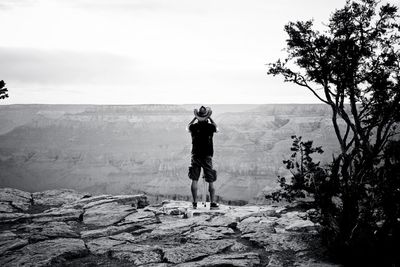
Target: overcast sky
{"points": [[149, 51]]}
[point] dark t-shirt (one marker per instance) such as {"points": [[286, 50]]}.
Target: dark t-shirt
{"points": [[202, 138]]}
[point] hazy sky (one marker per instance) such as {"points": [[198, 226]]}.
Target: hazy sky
{"points": [[149, 51]]}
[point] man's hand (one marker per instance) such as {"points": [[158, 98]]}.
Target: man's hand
{"points": [[213, 123], [190, 123]]}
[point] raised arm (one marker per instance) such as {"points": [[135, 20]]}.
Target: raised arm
{"points": [[213, 123], [190, 123]]}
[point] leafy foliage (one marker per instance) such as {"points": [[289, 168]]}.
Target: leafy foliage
{"points": [[354, 67], [3, 91], [305, 172]]}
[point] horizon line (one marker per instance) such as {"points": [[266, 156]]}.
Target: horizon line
{"points": [[165, 104]]}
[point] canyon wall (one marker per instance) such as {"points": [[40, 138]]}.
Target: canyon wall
{"points": [[145, 148]]}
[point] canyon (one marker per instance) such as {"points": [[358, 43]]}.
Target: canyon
{"points": [[131, 149]]}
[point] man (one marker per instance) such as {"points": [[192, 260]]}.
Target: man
{"points": [[202, 152]]}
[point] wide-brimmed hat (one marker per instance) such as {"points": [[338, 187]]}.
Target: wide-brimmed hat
{"points": [[203, 113]]}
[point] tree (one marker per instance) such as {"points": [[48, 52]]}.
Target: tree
{"points": [[3, 91], [354, 67]]}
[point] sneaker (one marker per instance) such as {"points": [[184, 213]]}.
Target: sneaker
{"points": [[194, 204], [214, 206]]}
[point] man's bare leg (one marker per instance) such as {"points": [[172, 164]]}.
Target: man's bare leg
{"points": [[194, 190], [212, 191]]}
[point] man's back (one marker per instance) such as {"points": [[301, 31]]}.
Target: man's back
{"points": [[202, 138]]}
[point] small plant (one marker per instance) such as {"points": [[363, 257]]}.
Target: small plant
{"points": [[305, 172]]}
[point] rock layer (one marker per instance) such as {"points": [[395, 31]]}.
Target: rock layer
{"points": [[77, 229]]}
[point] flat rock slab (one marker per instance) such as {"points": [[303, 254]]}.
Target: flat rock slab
{"points": [[11, 244], [121, 247], [176, 228], [14, 200], [209, 233], [137, 201], [140, 218], [57, 197], [295, 221], [7, 207], [191, 251], [173, 206], [234, 260], [283, 241], [257, 225], [8, 217], [216, 220], [107, 231], [41, 231], [45, 253], [136, 255], [57, 214], [107, 214]]}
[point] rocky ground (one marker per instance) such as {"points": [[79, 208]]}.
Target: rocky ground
{"points": [[68, 228]]}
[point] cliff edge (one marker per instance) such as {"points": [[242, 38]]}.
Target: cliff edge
{"points": [[68, 228]]}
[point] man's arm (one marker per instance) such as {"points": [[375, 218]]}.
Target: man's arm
{"points": [[190, 123], [213, 123]]}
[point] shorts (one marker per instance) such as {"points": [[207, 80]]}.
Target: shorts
{"points": [[210, 175]]}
